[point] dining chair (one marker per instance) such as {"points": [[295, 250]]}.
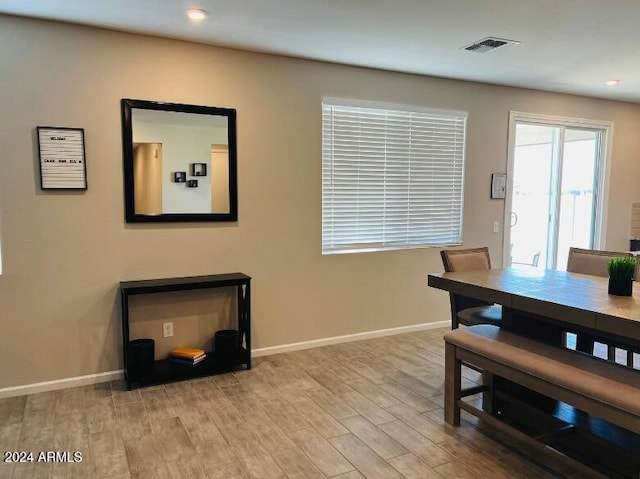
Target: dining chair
{"points": [[466, 310], [593, 262], [631, 352]]}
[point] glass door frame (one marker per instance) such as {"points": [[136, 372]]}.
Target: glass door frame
{"points": [[603, 170]]}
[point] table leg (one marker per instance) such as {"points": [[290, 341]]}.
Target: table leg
{"points": [[530, 327], [244, 319]]}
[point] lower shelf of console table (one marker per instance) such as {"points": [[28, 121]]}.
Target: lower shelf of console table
{"points": [[164, 370]]}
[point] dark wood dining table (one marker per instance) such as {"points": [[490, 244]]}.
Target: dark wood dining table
{"points": [[544, 305], [543, 302]]}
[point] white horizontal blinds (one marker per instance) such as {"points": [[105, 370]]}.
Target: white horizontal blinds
{"points": [[391, 178]]}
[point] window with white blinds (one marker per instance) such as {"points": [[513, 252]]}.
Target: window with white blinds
{"points": [[392, 176]]}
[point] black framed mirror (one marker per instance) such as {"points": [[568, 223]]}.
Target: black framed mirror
{"points": [[180, 162]]}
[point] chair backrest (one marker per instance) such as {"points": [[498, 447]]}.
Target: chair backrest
{"points": [[591, 261], [466, 259]]}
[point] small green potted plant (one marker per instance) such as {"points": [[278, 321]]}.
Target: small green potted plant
{"points": [[621, 272]]}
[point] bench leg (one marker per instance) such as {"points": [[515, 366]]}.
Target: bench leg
{"points": [[452, 385], [488, 404]]}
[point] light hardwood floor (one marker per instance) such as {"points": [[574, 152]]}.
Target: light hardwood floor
{"points": [[364, 409]]}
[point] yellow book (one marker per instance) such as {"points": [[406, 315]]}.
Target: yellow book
{"points": [[188, 353]]}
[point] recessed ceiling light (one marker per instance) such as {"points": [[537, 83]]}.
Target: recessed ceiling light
{"points": [[613, 82], [196, 14]]}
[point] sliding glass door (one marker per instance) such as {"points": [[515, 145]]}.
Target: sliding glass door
{"points": [[554, 199]]}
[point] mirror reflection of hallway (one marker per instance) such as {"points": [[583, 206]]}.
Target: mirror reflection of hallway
{"points": [[220, 179], [147, 177], [187, 142]]}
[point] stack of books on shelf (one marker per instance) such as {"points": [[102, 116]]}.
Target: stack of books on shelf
{"points": [[188, 356]]}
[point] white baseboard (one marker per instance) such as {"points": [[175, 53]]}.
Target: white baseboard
{"points": [[315, 343], [283, 348], [61, 384]]}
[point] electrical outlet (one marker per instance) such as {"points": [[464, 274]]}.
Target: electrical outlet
{"points": [[167, 330]]}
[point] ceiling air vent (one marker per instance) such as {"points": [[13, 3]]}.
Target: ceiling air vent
{"points": [[489, 44]]}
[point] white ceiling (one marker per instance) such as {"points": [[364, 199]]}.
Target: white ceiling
{"points": [[570, 46]]}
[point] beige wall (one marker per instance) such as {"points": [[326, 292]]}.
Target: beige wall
{"points": [[64, 253]]}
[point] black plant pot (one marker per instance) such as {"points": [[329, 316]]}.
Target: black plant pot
{"points": [[621, 288], [140, 357], [225, 344]]}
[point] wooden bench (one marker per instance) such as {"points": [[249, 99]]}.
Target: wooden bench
{"points": [[589, 384]]}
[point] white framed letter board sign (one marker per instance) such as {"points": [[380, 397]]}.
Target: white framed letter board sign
{"points": [[62, 158]]}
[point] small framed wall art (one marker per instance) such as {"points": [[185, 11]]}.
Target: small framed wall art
{"points": [[498, 186], [62, 158], [192, 184], [198, 169], [179, 176]]}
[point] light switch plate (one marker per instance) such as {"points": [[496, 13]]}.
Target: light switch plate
{"points": [[167, 330]]}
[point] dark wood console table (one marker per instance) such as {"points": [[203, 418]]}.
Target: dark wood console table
{"points": [[164, 370]]}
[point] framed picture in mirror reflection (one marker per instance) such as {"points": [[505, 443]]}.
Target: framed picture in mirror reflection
{"points": [[198, 169]]}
